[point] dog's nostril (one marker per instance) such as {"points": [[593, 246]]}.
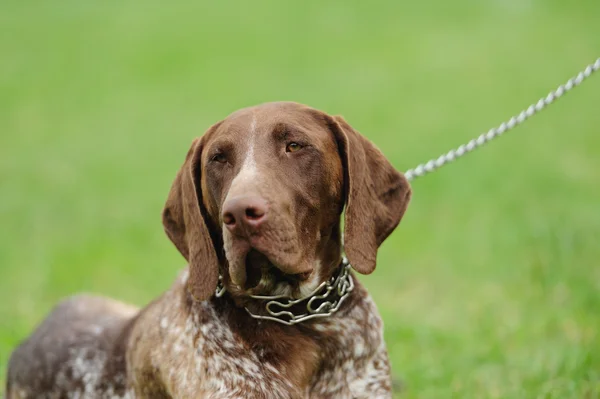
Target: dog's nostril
{"points": [[228, 219], [253, 213]]}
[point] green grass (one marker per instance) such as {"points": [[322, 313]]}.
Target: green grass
{"points": [[490, 288]]}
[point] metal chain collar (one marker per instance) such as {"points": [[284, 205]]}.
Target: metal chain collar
{"points": [[533, 109], [323, 301]]}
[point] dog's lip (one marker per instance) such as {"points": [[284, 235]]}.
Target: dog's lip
{"points": [[254, 264], [299, 276], [303, 276], [256, 272], [252, 260]]}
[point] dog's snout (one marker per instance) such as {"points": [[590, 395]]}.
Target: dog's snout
{"points": [[244, 212]]}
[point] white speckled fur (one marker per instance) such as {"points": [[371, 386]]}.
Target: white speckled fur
{"points": [[211, 362]]}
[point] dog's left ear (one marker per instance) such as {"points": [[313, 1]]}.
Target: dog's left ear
{"points": [[185, 224], [376, 195]]}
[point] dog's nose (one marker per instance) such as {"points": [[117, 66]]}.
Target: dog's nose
{"points": [[244, 212]]}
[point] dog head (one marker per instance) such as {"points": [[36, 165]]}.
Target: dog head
{"points": [[260, 196]]}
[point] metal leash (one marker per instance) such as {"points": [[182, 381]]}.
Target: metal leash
{"points": [[533, 109]]}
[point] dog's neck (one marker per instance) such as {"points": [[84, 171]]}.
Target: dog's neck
{"points": [[323, 301]]}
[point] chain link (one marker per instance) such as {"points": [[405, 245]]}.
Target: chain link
{"points": [[504, 127]]}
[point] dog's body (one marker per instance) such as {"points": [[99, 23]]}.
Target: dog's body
{"points": [[230, 213], [179, 348]]}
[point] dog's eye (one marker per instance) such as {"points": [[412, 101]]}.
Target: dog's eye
{"points": [[293, 147], [219, 157]]}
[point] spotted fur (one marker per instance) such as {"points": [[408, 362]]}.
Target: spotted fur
{"points": [[75, 353], [179, 348], [203, 352]]}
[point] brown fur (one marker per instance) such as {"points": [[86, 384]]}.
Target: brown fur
{"points": [[188, 343]]}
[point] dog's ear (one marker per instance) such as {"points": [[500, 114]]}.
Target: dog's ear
{"points": [[186, 225], [376, 196]]}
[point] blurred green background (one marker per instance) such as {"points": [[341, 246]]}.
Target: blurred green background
{"points": [[490, 288]]}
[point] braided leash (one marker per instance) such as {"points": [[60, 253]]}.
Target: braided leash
{"points": [[533, 109]]}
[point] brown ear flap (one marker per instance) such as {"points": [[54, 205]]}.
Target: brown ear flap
{"points": [[376, 196], [184, 223]]}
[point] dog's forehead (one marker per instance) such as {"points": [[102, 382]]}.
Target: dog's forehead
{"points": [[262, 119]]}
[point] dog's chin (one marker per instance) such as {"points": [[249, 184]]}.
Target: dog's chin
{"points": [[264, 277]]}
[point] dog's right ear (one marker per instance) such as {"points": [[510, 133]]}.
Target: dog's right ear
{"points": [[185, 224]]}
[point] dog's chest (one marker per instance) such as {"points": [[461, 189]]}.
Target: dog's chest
{"points": [[209, 359]]}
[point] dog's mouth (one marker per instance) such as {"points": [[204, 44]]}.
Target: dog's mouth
{"points": [[265, 278]]}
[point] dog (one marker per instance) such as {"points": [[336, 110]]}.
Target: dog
{"points": [[267, 307]]}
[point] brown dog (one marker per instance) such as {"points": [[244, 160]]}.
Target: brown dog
{"points": [[257, 203]]}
